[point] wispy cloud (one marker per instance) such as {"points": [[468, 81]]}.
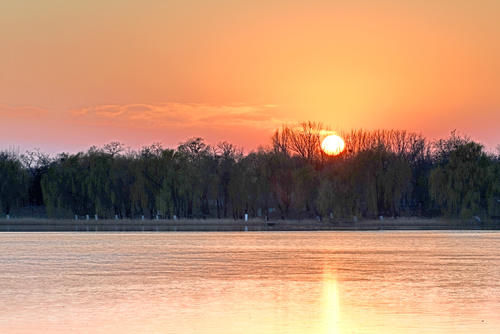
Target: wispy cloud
{"points": [[185, 115]]}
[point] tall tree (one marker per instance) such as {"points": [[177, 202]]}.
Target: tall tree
{"points": [[13, 182]]}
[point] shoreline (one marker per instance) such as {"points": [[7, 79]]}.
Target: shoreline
{"points": [[229, 225]]}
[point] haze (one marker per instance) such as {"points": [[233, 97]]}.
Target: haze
{"points": [[75, 74]]}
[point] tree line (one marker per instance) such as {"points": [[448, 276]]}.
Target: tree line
{"points": [[380, 173]]}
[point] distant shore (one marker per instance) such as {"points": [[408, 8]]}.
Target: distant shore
{"points": [[229, 225]]}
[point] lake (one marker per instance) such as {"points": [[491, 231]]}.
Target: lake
{"points": [[262, 282]]}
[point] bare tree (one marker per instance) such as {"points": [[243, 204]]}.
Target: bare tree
{"points": [[113, 148], [305, 141], [35, 159], [281, 140]]}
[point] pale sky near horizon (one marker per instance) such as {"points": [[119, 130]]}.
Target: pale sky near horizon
{"points": [[80, 73]]}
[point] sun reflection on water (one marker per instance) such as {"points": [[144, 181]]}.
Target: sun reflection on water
{"points": [[266, 283], [330, 302]]}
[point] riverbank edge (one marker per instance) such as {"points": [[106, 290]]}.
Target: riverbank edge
{"points": [[228, 225]]}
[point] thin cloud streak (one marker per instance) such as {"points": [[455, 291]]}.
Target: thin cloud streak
{"points": [[185, 115]]}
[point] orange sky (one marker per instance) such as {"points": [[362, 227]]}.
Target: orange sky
{"points": [[79, 74]]}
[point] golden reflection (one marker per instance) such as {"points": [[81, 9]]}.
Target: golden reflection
{"points": [[330, 302]]}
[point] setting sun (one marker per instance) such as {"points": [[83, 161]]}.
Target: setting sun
{"points": [[333, 145]]}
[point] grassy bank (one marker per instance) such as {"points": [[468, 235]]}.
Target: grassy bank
{"points": [[215, 225]]}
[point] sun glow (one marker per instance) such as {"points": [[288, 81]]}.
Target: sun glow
{"points": [[333, 145]]}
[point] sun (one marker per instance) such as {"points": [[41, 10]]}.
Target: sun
{"points": [[333, 145]]}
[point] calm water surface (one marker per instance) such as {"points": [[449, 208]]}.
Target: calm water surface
{"points": [[314, 282]]}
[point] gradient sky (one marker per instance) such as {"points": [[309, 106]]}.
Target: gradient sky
{"points": [[75, 74]]}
